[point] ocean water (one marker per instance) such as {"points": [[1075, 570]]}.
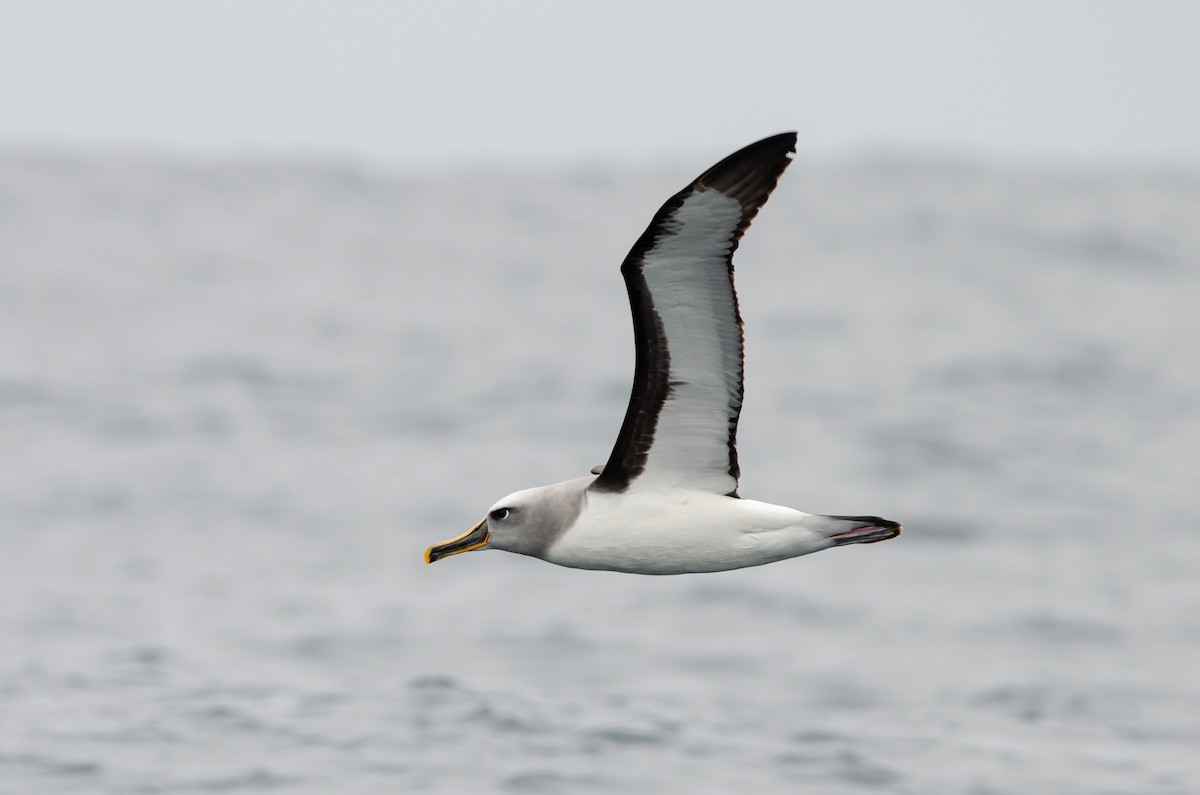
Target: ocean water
{"points": [[239, 399]]}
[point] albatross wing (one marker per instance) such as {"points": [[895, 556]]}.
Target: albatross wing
{"points": [[681, 425]]}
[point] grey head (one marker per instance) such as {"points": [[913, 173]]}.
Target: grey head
{"points": [[527, 522]]}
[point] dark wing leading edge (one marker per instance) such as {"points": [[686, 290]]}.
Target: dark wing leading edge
{"points": [[681, 425]]}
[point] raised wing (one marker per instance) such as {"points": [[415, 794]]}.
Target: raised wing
{"points": [[681, 425]]}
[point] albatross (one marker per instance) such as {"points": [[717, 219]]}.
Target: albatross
{"points": [[666, 501]]}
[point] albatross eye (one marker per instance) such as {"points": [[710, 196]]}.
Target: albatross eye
{"points": [[500, 514]]}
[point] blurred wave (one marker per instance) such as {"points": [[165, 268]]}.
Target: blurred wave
{"points": [[238, 399]]}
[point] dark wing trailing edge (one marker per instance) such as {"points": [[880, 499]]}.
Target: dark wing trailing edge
{"points": [[681, 424]]}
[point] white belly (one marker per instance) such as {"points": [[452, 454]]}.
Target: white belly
{"points": [[676, 532]]}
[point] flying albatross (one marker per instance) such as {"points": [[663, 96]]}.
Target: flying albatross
{"points": [[666, 501]]}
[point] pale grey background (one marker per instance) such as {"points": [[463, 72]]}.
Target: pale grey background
{"points": [[425, 84]]}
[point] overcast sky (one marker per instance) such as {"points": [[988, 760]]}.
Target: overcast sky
{"points": [[424, 84]]}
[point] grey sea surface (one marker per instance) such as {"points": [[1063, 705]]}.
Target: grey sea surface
{"points": [[239, 399]]}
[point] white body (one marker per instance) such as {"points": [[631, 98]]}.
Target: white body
{"points": [[647, 531]]}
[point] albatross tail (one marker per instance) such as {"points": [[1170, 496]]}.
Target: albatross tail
{"points": [[843, 530]]}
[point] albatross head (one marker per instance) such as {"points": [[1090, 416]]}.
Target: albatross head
{"points": [[526, 522], [517, 523]]}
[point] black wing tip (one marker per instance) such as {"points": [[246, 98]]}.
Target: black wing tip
{"points": [[772, 153], [751, 173]]}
